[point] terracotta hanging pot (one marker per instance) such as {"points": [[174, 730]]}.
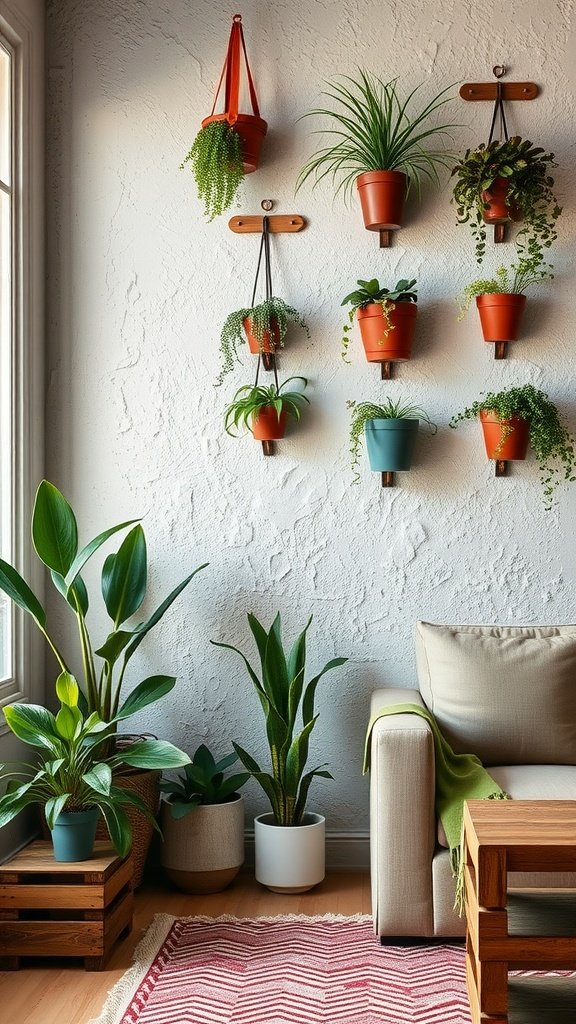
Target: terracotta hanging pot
{"points": [[394, 346], [270, 339], [500, 315], [382, 195], [251, 130], [497, 210], [515, 446], [267, 426]]}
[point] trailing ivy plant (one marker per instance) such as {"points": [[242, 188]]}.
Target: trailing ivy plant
{"points": [[551, 442], [216, 162], [369, 292], [389, 410], [529, 192], [250, 399], [272, 315], [513, 281]]}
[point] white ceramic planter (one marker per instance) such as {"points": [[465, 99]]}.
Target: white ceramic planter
{"points": [[204, 851], [290, 858]]}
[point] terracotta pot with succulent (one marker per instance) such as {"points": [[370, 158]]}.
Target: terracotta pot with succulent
{"points": [[387, 319], [390, 431], [520, 172], [290, 849], [516, 418], [264, 327], [501, 299], [123, 586], [265, 410], [203, 824], [378, 145], [228, 145]]}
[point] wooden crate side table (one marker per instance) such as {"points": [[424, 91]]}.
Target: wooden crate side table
{"points": [[49, 908], [527, 930]]}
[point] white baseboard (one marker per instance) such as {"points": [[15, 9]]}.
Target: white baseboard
{"points": [[345, 851]]}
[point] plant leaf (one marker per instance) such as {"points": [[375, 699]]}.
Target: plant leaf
{"points": [[54, 529], [18, 591], [124, 577], [153, 754], [147, 692]]}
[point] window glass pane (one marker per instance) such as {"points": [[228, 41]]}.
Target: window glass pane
{"points": [[5, 427], [5, 115]]}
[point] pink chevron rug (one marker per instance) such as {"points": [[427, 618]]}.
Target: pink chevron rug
{"points": [[285, 970]]}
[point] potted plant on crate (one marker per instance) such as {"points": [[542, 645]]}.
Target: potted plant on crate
{"points": [[377, 145], [503, 181], [264, 327], [123, 586], [516, 418], [264, 410], [390, 431], [500, 300], [386, 317], [203, 824], [290, 851], [72, 778]]}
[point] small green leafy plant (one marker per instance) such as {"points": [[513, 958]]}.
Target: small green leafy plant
{"points": [[526, 169], [69, 771], [250, 399], [271, 316], [369, 292], [552, 444], [513, 281], [373, 131], [216, 162], [389, 410], [284, 696], [203, 782]]}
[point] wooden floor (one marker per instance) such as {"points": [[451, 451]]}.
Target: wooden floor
{"points": [[61, 992]]}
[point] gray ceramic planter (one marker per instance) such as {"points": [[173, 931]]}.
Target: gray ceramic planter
{"points": [[204, 851]]}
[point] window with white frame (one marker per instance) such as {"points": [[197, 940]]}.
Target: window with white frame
{"points": [[7, 339]]}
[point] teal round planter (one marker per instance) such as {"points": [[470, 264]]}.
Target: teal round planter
{"points": [[74, 833], [390, 444]]}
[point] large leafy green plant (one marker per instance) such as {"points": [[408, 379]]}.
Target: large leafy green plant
{"points": [[551, 442], [251, 399], [216, 161], [70, 772], [271, 316], [284, 696], [369, 292], [374, 131], [203, 782], [513, 281], [123, 584], [361, 412]]}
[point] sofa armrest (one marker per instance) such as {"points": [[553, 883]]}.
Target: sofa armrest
{"points": [[402, 818]]}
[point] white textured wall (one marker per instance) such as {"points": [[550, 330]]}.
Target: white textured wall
{"points": [[139, 288]]}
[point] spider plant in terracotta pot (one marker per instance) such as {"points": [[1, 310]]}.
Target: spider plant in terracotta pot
{"points": [[264, 410], [378, 145], [503, 181], [500, 300], [290, 849], [390, 431], [517, 418], [264, 327], [386, 318]]}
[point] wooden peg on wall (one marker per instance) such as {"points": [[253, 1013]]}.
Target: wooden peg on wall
{"points": [[499, 350], [499, 233], [268, 447], [388, 479], [385, 238], [386, 370], [501, 467]]}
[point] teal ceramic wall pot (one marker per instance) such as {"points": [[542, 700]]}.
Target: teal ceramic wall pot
{"points": [[390, 444]]}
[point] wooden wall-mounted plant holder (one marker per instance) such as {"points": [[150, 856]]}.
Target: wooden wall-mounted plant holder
{"points": [[500, 467], [268, 447], [388, 479]]}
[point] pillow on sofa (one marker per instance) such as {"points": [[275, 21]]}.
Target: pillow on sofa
{"points": [[505, 693]]}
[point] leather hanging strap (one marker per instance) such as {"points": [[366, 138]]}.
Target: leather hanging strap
{"points": [[264, 249], [232, 69], [498, 110]]}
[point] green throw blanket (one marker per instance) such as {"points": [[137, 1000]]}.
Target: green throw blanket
{"points": [[459, 777]]}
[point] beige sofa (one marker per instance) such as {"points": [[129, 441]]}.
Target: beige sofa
{"points": [[507, 694]]}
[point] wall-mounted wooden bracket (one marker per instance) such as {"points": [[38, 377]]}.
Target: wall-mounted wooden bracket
{"points": [[474, 91], [386, 236], [499, 350], [268, 447], [500, 467], [388, 479], [278, 224], [386, 370], [499, 233]]}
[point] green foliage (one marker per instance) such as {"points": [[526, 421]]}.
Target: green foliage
{"points": [[374, 132], [514, 281], [216, 162], [203, 782], [527, 171], [124, 580], [70, 772], [370, 292], [552, 444], [389, 410], [267, 315], [250, 399], [283, 696]]}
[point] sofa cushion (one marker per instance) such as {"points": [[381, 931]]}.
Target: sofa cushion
{"points": [[505, 693], [531, 782]]}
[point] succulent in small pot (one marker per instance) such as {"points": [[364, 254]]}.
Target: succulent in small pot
{"points": [[264, 409], [390, 431], [521, 172], [264, 327], [386, 318], [507, 412], [377, 145], [500, 300]]}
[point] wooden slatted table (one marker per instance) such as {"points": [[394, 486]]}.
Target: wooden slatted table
{"points": [[519, 930], [49, 908]]}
